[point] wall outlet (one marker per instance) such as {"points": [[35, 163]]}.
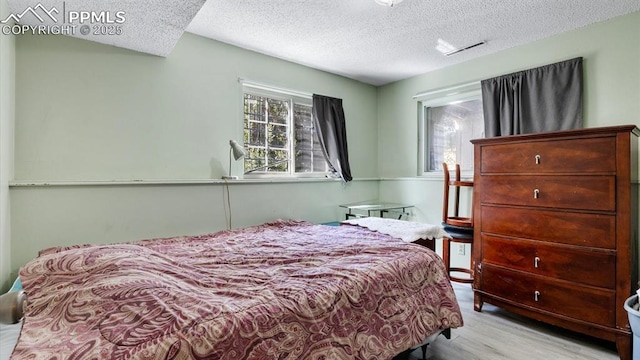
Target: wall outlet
{"points": [[460, 249]]}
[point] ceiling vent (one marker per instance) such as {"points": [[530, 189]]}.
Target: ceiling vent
{"points": [[389, 3], [447, 49]]}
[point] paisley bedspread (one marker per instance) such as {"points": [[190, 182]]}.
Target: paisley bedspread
{"points": [[281, 290]]}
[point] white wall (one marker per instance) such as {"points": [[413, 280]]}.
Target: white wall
{"points": [[611, 52], [7, 115], [90, 112]]}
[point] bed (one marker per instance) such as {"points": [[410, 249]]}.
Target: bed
{"points": [[281, 290]]}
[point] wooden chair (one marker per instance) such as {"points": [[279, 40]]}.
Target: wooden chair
{"points": [[459, 228]]}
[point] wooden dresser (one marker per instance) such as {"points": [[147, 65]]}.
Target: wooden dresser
{"points": [[556, 228]]}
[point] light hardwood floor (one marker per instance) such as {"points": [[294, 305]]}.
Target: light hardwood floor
{"points": [[495, 334]]}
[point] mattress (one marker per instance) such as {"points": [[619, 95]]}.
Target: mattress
{"points": [[281, 290]]}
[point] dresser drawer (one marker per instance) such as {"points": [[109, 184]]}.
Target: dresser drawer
{"points": [[593, 230], [579, 155], [569, 263], [556, 296], [568, 192]]}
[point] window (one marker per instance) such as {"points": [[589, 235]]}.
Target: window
{"points": [[279, 134], [448, 120]]}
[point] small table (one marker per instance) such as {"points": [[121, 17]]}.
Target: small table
{"points": [[371, 206]]}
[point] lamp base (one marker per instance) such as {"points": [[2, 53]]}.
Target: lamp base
{"points": [[229, 178]]}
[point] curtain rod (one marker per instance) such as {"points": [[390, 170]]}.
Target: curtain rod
{"points": [[263, 86], [447, 89]]}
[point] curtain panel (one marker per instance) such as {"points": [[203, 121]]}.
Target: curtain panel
{"points": [[546, 98], [328, 117]]}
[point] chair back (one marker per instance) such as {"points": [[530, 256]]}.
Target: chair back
{"points": [[452, 217]]}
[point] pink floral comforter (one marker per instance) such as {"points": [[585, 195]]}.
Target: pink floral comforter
{"points": [[282, 290]]}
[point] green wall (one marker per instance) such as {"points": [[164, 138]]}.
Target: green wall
{"points": [[89, 112], [7, 116], [126, 146], [611, 52]]}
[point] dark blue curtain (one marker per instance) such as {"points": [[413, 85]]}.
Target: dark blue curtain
{"points": [[328, 117], [547, 98]]}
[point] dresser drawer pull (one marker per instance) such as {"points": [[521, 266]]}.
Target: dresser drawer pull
{"points": [[536, 295], [537, 159], [536, 260], [536, 193]]}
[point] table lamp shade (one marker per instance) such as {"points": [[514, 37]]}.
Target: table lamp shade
{"points": [[237, 151]]}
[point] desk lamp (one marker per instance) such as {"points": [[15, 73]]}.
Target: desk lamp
{"points": [[237, 152]]}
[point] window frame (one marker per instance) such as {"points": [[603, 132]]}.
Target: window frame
{"points": [[292, 97], [441, 97]]}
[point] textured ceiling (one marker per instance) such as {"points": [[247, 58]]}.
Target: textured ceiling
{"points": [[358, 39], [149, 26], [375, 44]]}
